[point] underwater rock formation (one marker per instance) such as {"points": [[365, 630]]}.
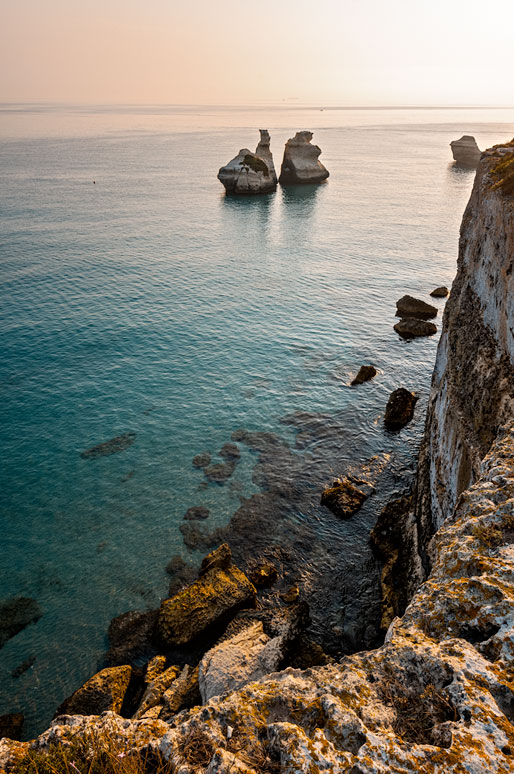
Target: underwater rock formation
{"points": [[466, 151], [250, 173], [300, 163]]}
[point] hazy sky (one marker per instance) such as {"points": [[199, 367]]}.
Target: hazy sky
{"points": [[349, 52]]}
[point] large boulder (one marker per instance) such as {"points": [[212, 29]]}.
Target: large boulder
{"points": [[210, 601], [300, 163], [250, 173], [408, 306], [411, 327], [104, 691], [400, 408], [345, 496], [466, 151]]}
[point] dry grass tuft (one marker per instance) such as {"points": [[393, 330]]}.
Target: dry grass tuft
{"points": [[196, 748], [503, 174]]}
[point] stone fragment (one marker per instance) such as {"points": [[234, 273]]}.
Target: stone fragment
{"points": [[466, 151], [15, 614], [115, 445], [300, 163], [365, 373], [344, 497], [202, 460], [264, 575], [400, 408], [197, 512], [440, 292], [104, 691], [408, 306], [214, 598], [11, 725], [410, 328], [250, 173], [155, 667]]}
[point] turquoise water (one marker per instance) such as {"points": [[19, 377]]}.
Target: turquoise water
{"points": [[149, 302]]}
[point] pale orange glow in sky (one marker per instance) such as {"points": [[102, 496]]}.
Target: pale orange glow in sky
{"points": [[347, 52]]}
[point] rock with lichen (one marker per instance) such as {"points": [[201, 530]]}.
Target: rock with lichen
{"points": [[103, 692]]}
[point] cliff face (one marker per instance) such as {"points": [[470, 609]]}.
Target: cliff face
{"points": [[472, 392]]}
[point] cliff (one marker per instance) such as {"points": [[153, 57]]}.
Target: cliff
{"points": [[438, 696]]}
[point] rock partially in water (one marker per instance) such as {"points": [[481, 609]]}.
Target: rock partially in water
{"points": [[195, 538], [230, 451], [15, 614], [345, 496], [211, 600], [408, 306], [23, 667], [220, 558], [300, 163], [220, 471], [400, 408], [440, 292], [115, 445], [250, 173], [11, 725], [365, 373], [103, 692], [411, 328], [196, 513], [202, 460], [466, 151], [264, 575]]}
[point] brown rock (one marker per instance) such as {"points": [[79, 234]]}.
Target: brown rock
{"points": [[441, 292], [220, 558], [409, 328], [408, 306], [104, 691], [196, 512], [344, 498], [400, 408], [366, 372], [264, 575]]}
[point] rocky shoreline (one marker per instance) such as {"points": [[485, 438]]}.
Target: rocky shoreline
{"points": [[438, 694]]}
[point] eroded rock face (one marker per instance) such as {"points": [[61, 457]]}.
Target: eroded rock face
{"points": [[300, 163], [466, 151], [250, 173], [472, 393]]}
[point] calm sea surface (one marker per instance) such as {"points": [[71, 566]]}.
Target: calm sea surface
{"points": [[149, 302]]}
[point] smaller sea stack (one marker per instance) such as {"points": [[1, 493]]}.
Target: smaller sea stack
{"points": [[300, 163]]}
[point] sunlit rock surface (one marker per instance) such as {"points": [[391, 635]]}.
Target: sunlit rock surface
{"points": [[251, 173], [300, 163], [466, 151]]}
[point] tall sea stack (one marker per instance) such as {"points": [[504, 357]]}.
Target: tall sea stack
{"points": [[300, 163]]}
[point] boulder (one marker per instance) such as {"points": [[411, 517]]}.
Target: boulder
{"points": [[15, 614], [202, 460], [220, 558], [365, 373], [250, 173], [103, 692], [230, 451], [346, 496], [400, 408], [264, 575], [410, 328], [11, 725], [196, 512], [220, 471], [300, 163], [183, 693], [466, 151], [441, 292], [408, 306], [115, 445], [210, 601]]}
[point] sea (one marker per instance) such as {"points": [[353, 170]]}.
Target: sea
{"points": [[136, 297]]}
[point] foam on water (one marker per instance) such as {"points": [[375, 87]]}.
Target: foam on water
{"points": [[149, 302]]}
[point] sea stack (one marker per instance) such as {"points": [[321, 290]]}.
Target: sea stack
{"points": [[251, 173], [466, 151], [300, 163]]}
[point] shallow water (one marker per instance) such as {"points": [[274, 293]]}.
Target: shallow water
{"points": [[148, 302]]}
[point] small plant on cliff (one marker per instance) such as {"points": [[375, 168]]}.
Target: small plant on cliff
{"points": [[502, 173], [257, 164], [98, 753]]}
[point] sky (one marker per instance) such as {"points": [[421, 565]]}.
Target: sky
{"points": [[344, 52]]}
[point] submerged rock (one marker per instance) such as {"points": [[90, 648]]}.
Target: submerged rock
{"points": [[441, 292], [411, 328], [230, 451], [11, 725], [202, 460], [129, 637], [250, 173], [211, 600], [466, 151], [197, 512], [15, 614], [408, 306], [300, 163], [115, 445], [220, 471], [400, 408], [365, 373], [23, 667], [104, 691], [345, 496]]}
